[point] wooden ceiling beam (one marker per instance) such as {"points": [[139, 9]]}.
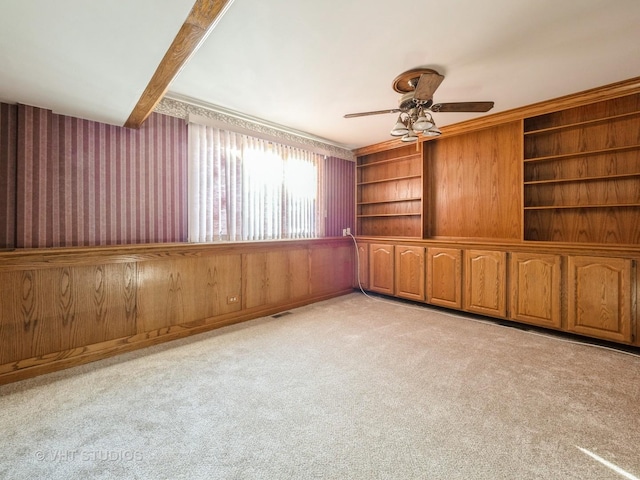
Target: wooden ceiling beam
{"points": [[195, 28]]}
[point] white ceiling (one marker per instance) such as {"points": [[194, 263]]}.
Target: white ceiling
{"points": [[304, 64]]}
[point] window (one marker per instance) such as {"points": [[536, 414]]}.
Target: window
{"points": [[245, 188]]}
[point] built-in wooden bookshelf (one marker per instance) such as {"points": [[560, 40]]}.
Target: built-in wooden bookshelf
{"points": [[390, 193], [582, 173], [532, 215]]}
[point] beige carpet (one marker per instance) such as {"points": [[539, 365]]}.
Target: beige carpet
{"points": [[351, 388]]}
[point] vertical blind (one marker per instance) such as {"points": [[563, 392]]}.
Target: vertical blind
{"points": [[246, 188]]}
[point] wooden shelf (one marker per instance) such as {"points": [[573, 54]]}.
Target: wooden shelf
{"points": [[397, 200], [390, 215], [390, 160], [581, 124], [385, 180], [556, 207], [584, 179], [577, 187], [583, 154], [389, 198]]}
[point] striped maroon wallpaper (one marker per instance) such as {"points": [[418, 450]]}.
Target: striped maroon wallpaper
{"points": [[65, 181], [87, 183], [340, 196], [8, 145]]}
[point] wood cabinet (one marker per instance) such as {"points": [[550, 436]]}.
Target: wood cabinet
{"points": [[410, 272], [389, 193], [600, 297], [509, 206], [582, 173], [588, 295], [535, 280], [444, 277], [485, 278], [381, 268], [362, 267]]}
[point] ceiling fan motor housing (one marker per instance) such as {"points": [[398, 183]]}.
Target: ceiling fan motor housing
{"points": [[407, 101]]}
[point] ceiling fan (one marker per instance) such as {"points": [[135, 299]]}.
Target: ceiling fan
{"points": [[417, 87]]}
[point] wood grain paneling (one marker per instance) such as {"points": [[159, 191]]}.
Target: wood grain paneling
{"points": [[599, 297], [612, 226], [536, 289], [299, 272], [405, 167], [618, 105], [393, 226], [57, 309], [605, 164], [331, 269], [444, 277], [597, 192], [181, 290], [410, 272], [257, 275], [381, 268], [401, 189], [616, 132], [275, 277], [64, 307], [485, 281], [475, 184]]}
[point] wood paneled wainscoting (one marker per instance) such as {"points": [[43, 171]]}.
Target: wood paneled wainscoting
{"points": [[64, 307]]}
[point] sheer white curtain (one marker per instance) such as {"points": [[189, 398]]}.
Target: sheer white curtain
{"points": [[246, 188]]}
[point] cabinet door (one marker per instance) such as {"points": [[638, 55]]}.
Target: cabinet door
{"points": [[484, 280], [409, 272], [444, 277], [362, 267], [535, 289], [381, 268], [599, 303]]}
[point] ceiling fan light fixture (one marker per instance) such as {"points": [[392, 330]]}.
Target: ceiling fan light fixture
{"points": [[423, 123], [410, 137], [432, 132], [416, 105], [400, 128]]}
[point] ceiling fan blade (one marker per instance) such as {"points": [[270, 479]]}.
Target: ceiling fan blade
{"points": [[377, 112], [427, 84], [462, 107]]}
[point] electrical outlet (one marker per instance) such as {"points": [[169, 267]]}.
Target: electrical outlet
{"points": [[346, 231], [232, 299]]}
